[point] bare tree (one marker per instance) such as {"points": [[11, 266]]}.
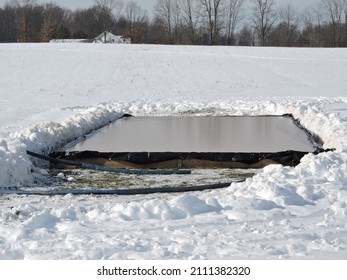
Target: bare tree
{"points": [[190, 17], [137, 20], [311, 35], [334, 10], [212, 12], [25, 24], [53, 17], [134, 13], [84, 24], [177, 22], [233, 18], [164, 10], [307, 18], [264, 17], [245, 36], [114, 7], [317, 12], [8, 22], [289, 20], [47, 31], [21, 3], [107, 12]]}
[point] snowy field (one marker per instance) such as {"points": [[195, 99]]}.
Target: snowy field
{"points": [[51, 94]]}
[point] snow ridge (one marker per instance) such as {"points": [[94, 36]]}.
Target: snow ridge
{"points": [[16, 166]]}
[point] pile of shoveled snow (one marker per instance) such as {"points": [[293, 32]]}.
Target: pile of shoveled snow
{"points": [[304, 185], [42, 138]]}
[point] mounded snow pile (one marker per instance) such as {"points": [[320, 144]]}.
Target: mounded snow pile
{"points": [[15, 165], [181, 207], [298, 186], [282, 212], [42, 138], [47, 136]]}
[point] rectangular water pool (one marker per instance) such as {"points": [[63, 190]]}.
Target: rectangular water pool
{"points": [[201, 141]]}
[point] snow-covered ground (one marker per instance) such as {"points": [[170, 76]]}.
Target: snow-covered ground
{"points": [[51, 94]]}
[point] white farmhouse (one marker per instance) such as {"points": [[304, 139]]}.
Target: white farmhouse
{"points": [[109, 38]]}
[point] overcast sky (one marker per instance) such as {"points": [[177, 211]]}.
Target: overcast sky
{"points": [[149, 4]]}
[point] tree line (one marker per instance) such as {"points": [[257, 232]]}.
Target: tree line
{"points": [[194, 22]]}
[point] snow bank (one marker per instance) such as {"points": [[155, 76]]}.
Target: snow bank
{"points": [[298, 186], [180, 207], [16, 166]]}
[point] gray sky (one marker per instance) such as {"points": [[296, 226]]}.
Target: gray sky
{"points": [[149, 4], [74, 4]]}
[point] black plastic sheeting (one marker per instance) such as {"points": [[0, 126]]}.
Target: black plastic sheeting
{"points": [[136, 191], [285, 158], [108, 169]]}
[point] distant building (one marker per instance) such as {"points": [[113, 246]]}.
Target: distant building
{"points": [[71, 41], [104, 37], [109, 38]]}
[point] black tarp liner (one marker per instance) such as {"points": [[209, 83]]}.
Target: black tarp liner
{"points": [[185, 160], [207, 159]]}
